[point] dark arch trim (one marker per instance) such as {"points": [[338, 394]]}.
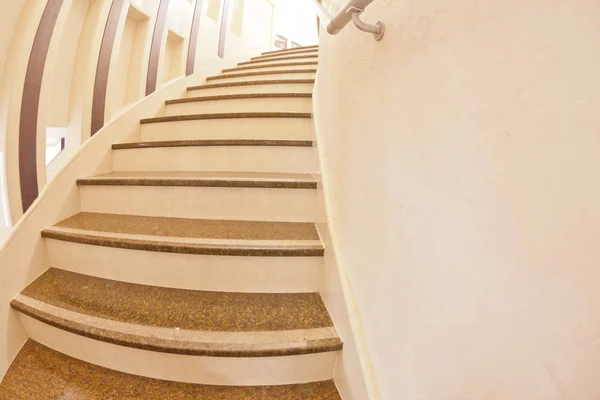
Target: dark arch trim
{"points": [[157, 35], [191, 58], [102, 70], [30, 103], [225, 11]]}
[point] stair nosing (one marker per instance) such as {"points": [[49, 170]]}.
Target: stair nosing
{"points": [[250, 83], [273, 72], [314, 46], [238, 96], [115, 241], [283, 58], [195, 117], [150, 343], [214, 142], [197, 182], [290, 64]]}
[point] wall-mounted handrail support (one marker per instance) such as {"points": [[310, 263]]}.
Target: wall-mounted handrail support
{"points": [[351, 12]]}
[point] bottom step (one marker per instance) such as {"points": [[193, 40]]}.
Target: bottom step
{"points": [[39, 373]]}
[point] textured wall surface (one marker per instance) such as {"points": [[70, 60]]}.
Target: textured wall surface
{"points": [[461, 160]]}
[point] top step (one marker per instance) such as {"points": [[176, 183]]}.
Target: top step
{"points": [[316, 47]]}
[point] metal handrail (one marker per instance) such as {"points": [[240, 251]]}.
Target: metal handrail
{"points": [[351, 12]]}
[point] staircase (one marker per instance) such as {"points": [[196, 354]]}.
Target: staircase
{"points": [[193, 270]]}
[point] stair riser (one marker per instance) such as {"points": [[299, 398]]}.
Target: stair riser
{"points": [[281, 59], [270, 77], [271, 88], [275, 67], [189, 271], [229, 371], [248, 204], [281, 104], [233, 128], [218, 158]]}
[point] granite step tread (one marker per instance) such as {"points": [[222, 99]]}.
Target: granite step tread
{"points": [[194, 117], [180, 321], [290, 64], [281, 58], [259, 73], [303, 51], [315, 46], [40, 373], [203, 179], [189, 236], [239, 96], [250, 83], [214, 142]]}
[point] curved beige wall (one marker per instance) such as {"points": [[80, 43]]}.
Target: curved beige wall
{"points": [[461, 164]]}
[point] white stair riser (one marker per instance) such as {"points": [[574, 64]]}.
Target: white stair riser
{"points": [[270, 88], [217, 158], [189, 271], [230, 128], [266, 77], [252, 204], [274, 104], [228, 371], [275, 67]]}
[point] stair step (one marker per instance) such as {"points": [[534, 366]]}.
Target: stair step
{"points": [[241, 103], [276, 65], [40, 373], [215, 324], [203, 179], [306, 57], [316, 46], [235, 155], [274, 72], [249, 196], [304, 51], [196, 117], [214, 142], [237, 125], [252, 83], [190, 236], [213, 255]]}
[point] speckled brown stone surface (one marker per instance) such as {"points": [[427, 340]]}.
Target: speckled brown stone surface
{"points": [[274, 72], [239, 96], [215, 142], [287, 64], [40, 373], [191, 228], [315, 46], [283, 57], [193, 117], [249, 83], [288, 345], [304, 51], [179, 308], [203, 179]]}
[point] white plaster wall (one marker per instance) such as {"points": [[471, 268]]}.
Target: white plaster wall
{"points": [[461, 165], [8, 22]]}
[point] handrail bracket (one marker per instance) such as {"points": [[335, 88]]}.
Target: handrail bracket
{"points": [[377, 29], [352, 11]]}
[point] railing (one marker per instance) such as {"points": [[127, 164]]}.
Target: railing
{"points": [[350, 12]]}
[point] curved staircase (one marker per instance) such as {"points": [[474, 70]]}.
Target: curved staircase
{"points": [[193, 270]]}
